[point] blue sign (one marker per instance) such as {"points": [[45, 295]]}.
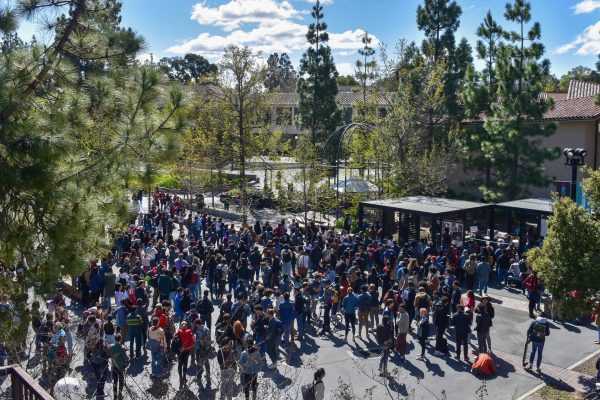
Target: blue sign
{"points": [[583, 200]]}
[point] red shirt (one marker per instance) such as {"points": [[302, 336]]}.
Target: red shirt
{"points": [[187, 338]]}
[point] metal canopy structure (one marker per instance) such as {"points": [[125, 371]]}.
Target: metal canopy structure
{"points": [[431, 206], [538, 206], [534, 210], [407, 212]]}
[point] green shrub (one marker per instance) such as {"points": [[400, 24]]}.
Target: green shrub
{"points": [[169, 181]]}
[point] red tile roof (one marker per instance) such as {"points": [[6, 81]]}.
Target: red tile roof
{"points": [[578, 89], [583, 108]]}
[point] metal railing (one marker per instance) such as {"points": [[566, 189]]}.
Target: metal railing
{"points": [[23, 386]]}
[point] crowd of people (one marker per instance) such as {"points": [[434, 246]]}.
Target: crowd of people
{"points": [[159, 289]]}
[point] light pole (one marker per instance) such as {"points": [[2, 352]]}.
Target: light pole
{"points": [[575, 158]]}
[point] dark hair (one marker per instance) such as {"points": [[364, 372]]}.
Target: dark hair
{"points": [[319, 374]]}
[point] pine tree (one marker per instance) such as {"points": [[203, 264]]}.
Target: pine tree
{"points": [[439, 20], [67, 136], [317, 85], [478, 94], [280, 74], [365, 68], [519, 156]]}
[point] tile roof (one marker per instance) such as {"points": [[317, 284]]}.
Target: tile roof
{"points": [[343, 98], [583, 108], [578, 89]]}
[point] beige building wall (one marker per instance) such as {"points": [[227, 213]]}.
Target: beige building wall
{"points": [[568, 134]]}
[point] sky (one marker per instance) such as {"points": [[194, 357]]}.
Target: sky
{"points": [[570, 28]]}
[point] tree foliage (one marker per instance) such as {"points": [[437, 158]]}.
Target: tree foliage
{"points": [[412, 167], [189, 68], [66, 137], [317, 84], [516, 139], [240, 88], [280, 74], [366, 67], [570, 257]]}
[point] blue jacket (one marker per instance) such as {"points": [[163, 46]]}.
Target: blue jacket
{"points": [[350, 304], [97, 283], [364, 302], [287, 312]]}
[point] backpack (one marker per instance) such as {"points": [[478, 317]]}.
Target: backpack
{"points": [[205, 307], [120, 359], [470, 268], [538, 332], [176, 344], [97, 357], [219, 273], [308, 391], [286, 256]]}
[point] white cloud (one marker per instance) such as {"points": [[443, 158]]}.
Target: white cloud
{"points": [[235, 13], [586, 6], [263, 25], [345, 68], [323, 2], [144, 58], [586, 43]]}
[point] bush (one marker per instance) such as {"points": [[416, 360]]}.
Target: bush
{"points": [[169, 181]]}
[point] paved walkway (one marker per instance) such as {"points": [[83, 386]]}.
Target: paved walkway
{"points": [[550, 374]]}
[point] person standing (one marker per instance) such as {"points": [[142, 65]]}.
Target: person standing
{"points": [[202, 351], [385, 336], [286, 315], [440, 320], [364, 307], [301, 306], [423, 331], [120, 362], [532, 284], [250, 363], [134, 328], [470, 268], [349, 305], [402, 326], [205, 309], [272, 339], [536, 334], [226, 357], [483, 275], [157, 344], [462, 327], [319, 386], [100, 357], [186, 338], [485, 307]]}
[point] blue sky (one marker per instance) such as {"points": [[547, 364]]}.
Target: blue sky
{"points": [[570, 28]]}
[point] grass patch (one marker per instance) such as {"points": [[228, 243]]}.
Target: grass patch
{"points": [[588, 367], [550, 393]]}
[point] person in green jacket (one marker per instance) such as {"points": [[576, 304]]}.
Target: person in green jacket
{"points": [[134, 327], [119, 363], [165, 286]]}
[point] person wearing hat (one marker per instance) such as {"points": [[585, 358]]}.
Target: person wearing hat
{"points": [[536, 334], [462, 328]]}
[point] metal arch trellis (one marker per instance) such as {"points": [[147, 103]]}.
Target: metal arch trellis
{"points": [[333, 146]]}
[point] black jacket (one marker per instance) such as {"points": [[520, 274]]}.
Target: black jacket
{"points": [[461, 323], [384, 334]]}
